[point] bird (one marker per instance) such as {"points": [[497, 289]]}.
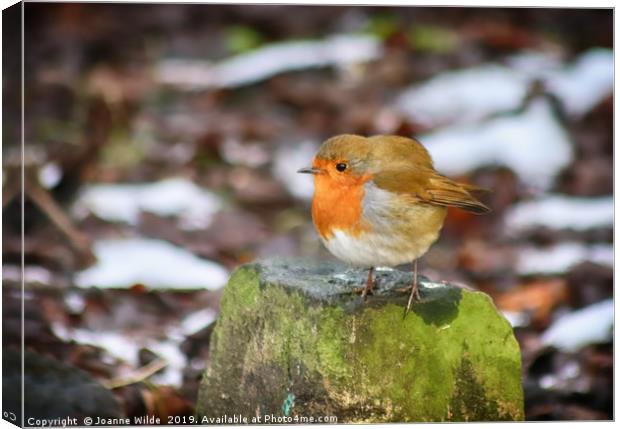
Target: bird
{"points": [[378, 201]]}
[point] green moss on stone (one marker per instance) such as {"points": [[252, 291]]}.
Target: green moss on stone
{"points": [[470, 401], [454, 357]]}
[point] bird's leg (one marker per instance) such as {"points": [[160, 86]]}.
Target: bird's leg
{"points": [[414, 287], [370, 284]]}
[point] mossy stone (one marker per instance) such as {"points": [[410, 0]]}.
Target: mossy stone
{"points": [[295, 341]]}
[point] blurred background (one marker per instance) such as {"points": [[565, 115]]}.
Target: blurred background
{"points": [[161, 148]]}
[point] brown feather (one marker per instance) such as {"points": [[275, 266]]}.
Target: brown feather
{"points": [[445, 191], [430, 187]]}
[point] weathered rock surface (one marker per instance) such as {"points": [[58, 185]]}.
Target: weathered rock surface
{"points": [[293, 339]]}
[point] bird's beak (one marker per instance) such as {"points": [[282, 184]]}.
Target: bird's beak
{"points": [[310, 170]]}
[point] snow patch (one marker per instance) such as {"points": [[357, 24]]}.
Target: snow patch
{"points": [[171, 197], [290, 158], [533, 144], [533, 63], [464, 96], [561, 212], [127, 348], [198, 320], [263, 63], [586, 83], [517, 318], [50, 175], [75, 303], [590, 325], [154, 263], [173, 372], [469, 95], [31, 274], [561, 257], [118, 345]]}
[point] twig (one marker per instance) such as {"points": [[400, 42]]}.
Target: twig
{"points": [[42, 198], [137, 376]]}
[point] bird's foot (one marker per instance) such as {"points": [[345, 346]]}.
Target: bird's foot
{"points": [[364, 292], [370, 285], [414, 295], [415, 292]]}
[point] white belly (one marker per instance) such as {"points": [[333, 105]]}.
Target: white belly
{"points": [[372, 250]]}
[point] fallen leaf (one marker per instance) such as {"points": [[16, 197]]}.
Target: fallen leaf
{"points": [[539, 298]]}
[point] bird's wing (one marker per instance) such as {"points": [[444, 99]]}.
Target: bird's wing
{"points": [[428, 186]]}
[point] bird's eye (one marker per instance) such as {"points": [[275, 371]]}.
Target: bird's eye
{"points": [[341, 166]]}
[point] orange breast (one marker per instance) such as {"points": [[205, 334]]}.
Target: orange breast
{"points": [[337, 204]]}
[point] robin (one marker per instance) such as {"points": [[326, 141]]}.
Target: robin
{"points": [[378, 201]]}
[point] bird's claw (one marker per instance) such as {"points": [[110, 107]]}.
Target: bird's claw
{"points": [[364, 292], [414, 295], [370, 285]]}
